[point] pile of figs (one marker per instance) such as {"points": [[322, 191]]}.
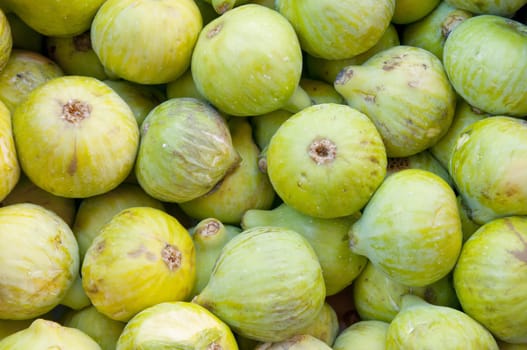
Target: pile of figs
{"points": [[263, 174]]}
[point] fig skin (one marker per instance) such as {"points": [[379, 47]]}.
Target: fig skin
{"points": [[248, 61], [267, 284], [489, 278], [40, 244], [410, 229], [363, 335], [297, 342], [504, 8], [186, 149], [408, 11], [6, 40], [9, 166], [141, 257], [326, 161], [336, 29]]}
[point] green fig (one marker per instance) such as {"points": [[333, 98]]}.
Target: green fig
{"points": [[335, 29], [100, 328], [431, 31], [248, 61], [320, 91], [246, 187], [297, 342], [25, 71], [408, 11], [267, 284], [378, 297], [325, 327], [9, 165], [176, 325], [47, 334], [6, 40], [489, 278], [209, 236], [410, 229], [298, 101], [265, 125], [186, 149], [488, 168], [328, 237], [183, 86], [76, 297], [24, 37], [363, 335], [327, 70], [406, 93], [326, 160], [420, 325], [502, 8], [468, 226]]}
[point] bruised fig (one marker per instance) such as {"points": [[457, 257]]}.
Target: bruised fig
{"points": [[246, 187], [406, 93], [410, 229], [176, 325], [141, 257], [326, 160], [186, 149], [267, 284], [328, 237], [363, 335], [75, 137]]}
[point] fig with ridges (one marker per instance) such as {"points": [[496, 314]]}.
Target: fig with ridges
{"points": [[9, 166], [363, 335], [6, 40]]}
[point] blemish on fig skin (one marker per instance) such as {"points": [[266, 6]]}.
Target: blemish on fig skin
{"points": [[344, 76], [214, 346], [322, 151], [214, 31], [172, 257], [72, 166], [519, 254], [211, 228], [100, 247]]}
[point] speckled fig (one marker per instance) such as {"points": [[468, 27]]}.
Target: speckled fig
{"points": [[141, 257], [410, 229], [495, 280], [336, 29], [267, 284], [406, 93], [326, 160], [185, 150], [248, 61]]}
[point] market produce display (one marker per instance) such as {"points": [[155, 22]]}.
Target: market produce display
{"points": [[263, 174]]}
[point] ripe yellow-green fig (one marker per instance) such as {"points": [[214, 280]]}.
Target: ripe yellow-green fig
{"points": [[363, 335], [411, 228], [9, 166], [6, 40]]}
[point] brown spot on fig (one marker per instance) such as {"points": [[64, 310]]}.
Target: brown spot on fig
{"points": [[214, 31], [373, 160], [99, 247], [172, 257], [322, 151], [262, 164], [72, 166], [413, 83], [392, 63], [450, 23], [430, 295], [82, 42], [75, 111], [369, 98], [137, 252], [522, 253], [344, 76], [57, 241], [210, 228], [214, 346], [398, 164]]}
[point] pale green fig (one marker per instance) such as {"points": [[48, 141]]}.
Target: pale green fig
{"points": [[186, 149], [25, 71], [363, 335], [321, 92], [56, 17], [490, 278], [476, 65], [328, 70], [6, 40], [75, 55], [464, 116], [408, 11], [297, 342], [488, 168], [100, 328], [75, 137], [141, 257], [468, 226], [94, 212], [47, 334], [267, 284], [39, 258], [248, 61], [326, 160], [422, 160], [325, 327], [406, 93], [209, 236], [420, 325], [431, 31], [24, 37], [8, 327], [410, 229], [140, 98], [9, 166], [76, 297], [298, 101], [505, 8], [176, 325], [378, 297], [335, 29], [244, 188], [328, 237], [183, 86], [121, 35], [222, 6], [27, 192], [265, 125]]}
